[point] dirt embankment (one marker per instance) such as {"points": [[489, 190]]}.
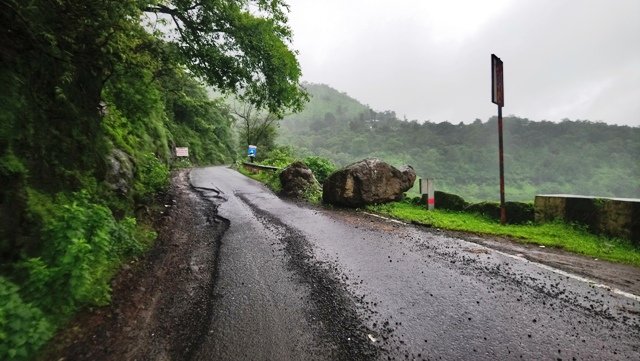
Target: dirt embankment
{"points": [[161, 304]]}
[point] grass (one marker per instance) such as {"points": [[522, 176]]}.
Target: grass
{"points": [[272, 180], [269, 178], [560, 235]]}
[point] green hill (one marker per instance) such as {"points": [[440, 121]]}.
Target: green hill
{"points": [[580, 157]]}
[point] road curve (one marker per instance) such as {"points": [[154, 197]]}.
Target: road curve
{"points": [[299, 283]]}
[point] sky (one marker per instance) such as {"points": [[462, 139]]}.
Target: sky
{"points": [[430, 60]]}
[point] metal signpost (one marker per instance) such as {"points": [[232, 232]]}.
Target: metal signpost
{"points": [[251, 152], [497, 97]]}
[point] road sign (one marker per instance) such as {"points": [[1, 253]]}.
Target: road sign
{"points": [[497, 97], [182, 152], [251, 152], [497, 82]]}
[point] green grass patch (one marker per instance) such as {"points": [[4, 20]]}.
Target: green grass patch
{"points": [[560, 235], [269, 178]]}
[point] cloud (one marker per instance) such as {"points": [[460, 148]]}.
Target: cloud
{"points": [[429, 60]]}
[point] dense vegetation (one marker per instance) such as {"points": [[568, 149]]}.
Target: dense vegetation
{"points": [[93, 102], [579, 157]]}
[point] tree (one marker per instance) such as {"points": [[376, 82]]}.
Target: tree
{"points": [[238, 46], [257, 127]]}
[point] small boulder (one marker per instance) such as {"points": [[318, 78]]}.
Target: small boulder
{"points": [[368, 181], [120, 171], [297, 179]]}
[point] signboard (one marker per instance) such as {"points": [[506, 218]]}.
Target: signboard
{"points": [[251, 152], [497, 82], [182, 152]]}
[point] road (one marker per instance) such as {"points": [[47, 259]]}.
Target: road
{"points": [[295, 282]]}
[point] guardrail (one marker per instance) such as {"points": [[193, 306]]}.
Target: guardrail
{"points": [[256, 168]]}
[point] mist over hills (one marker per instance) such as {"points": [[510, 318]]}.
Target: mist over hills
{"points": [[579, 157]]}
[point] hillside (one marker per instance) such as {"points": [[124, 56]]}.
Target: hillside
{"points": [[580, 157]]}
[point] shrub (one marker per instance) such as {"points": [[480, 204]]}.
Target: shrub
{"points": [[321, 167], [449, 201], [487, 209], [517, 212], [23, 327], [152, 176], [84, 246], [279, 157]]}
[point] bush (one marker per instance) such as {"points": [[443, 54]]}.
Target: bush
{"points": [[279, 157], [321, 167], [152, 176], [449, 201], [23, 327], [84, 246], [487, 209], [517, 212]]}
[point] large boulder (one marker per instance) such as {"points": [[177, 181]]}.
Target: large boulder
{"points": [[368, 181], [297, 179]]}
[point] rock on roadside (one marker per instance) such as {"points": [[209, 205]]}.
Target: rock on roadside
{"points": [[368, 181], [296, 179]]}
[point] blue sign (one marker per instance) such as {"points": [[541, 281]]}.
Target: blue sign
{"points": [[252, 151]]}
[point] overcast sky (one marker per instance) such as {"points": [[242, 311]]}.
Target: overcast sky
{"points": [[430, 60]]}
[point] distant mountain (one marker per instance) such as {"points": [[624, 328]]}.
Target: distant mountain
{"points": [[579, 157]]}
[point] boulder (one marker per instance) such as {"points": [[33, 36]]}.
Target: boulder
{"points": [[297, 179], [119, 176], [368, 181]]}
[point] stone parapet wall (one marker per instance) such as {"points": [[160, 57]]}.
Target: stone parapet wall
{"points": [[617, 217]]}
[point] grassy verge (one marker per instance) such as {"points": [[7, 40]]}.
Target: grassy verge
{"points": [[270, 179], [559, 235]]}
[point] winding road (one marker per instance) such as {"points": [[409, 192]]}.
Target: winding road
{"points": [[295, 282]]}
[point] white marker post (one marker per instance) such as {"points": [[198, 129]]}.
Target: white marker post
{"points": [[427, 192]]}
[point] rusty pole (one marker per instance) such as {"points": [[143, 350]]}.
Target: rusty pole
{"points": [[503, 214]]}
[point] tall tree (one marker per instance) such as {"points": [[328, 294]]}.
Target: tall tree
{"points": [[239, 46], [256, 127]]}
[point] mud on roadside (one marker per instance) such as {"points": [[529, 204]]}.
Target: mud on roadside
{"points": [[161, 304]]}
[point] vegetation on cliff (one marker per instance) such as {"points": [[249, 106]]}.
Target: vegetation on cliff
{"points": [[96, 96]]}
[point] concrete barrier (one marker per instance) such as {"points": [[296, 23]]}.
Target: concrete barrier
{"points": [[617, 217]]}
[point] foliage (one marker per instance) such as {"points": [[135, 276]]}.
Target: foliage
{"points": [[321, 167], [238, 46], [153, 176], [579, 157], [23, 327], [279, 157], [449, 201], [519, 212], [568, 237], [256, 127], [85, 245], [269, 178], [486, 209], [87, 80]]}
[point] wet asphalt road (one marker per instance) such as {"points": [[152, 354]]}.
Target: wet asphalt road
{"points": [[299, 283]]}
